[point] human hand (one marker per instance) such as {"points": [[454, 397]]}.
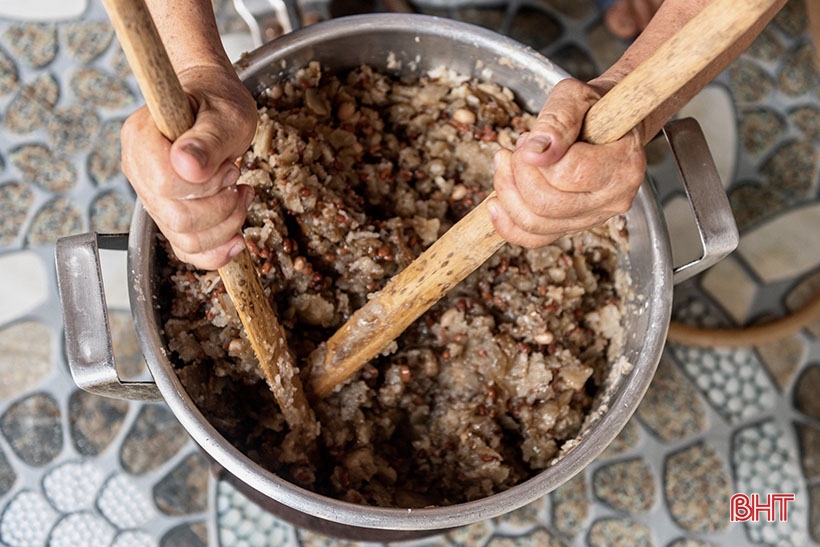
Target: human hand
{"points": [[189, 186], [552, 185], [628, 18]]}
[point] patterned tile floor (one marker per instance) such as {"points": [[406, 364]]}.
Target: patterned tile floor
{"points": [[77, 469]]}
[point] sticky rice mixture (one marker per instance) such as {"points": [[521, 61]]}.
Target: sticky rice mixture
{"points": [[355, 175]]}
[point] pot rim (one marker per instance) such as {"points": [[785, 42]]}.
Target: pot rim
{"points": [[621, 406]]}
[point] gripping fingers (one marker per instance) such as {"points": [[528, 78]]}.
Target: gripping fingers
{"points": [[218, 229], [214, 258]]}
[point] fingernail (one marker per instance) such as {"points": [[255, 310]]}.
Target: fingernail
{"points": [[197, 153], [249, 197], [492, 209], [537, 143], [497, 159], [521, 140], [231, 176], [238, 247]]}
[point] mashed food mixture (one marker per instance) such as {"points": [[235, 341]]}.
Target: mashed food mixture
{"points": [[355, 175]]}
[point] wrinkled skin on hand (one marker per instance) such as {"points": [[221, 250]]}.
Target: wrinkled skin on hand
{"points": [[189, 187], [552, 185]]}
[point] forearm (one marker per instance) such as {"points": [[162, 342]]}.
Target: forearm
{"points": [[670, 18], [188, 30]]}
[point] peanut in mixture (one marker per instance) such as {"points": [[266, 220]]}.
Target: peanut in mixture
{"points": [[355, 175]]}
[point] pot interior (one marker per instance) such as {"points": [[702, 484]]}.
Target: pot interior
{"points": [[412, 45]]}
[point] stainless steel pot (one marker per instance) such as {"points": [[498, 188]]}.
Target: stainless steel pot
{"points": [[407, 44]]}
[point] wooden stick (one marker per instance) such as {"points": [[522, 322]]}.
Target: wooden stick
{"points": [[473, 239], [171, 111]]}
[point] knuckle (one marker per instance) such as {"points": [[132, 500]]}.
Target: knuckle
{"points": [[179, 218], [188, 243]]}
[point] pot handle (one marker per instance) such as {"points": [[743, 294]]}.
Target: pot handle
{"points": [[257, 14], [707, 198], [89, 349]]}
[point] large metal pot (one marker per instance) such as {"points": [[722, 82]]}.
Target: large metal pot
{"points": [[406, 44]]}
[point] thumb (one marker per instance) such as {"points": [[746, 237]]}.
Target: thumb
{"points": [[558, 124], [214, 139]]}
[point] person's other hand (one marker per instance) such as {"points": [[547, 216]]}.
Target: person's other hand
{"points": [[189, 187], [553, 185], [628, 18]]}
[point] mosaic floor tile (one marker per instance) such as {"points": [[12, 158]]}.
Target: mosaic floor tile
{"points": [[782, 359], [800, 294], [688, 542], [750, 82], [15, 200], [760, 129], [123, 504], [697, 489], [768, 46], [799, 73], [63, 110], [86, 40], [570, 506], [628, 438], [791, 20], [25, 357], [44, 167], [34, 44], [27, 520], [111, 213], [782, 248], [133, 539], [31, 107], [72, 128], [154, 437], [94, 87], [627, 486], [753, 203], [33, 428], [522, 519], [614, 531], [184, 490], [104, 160], [242, 520], [57, 218], [190, 535], [38, 10], [764, 462], [73, 486], [474, 534], [805, 392], [81, 530], [807, 120], [733, 382], [94, 421], [671, 408], [731, 286], [9, 76], [7, 475], [538, 538], [808, 435], [793, 168]]}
